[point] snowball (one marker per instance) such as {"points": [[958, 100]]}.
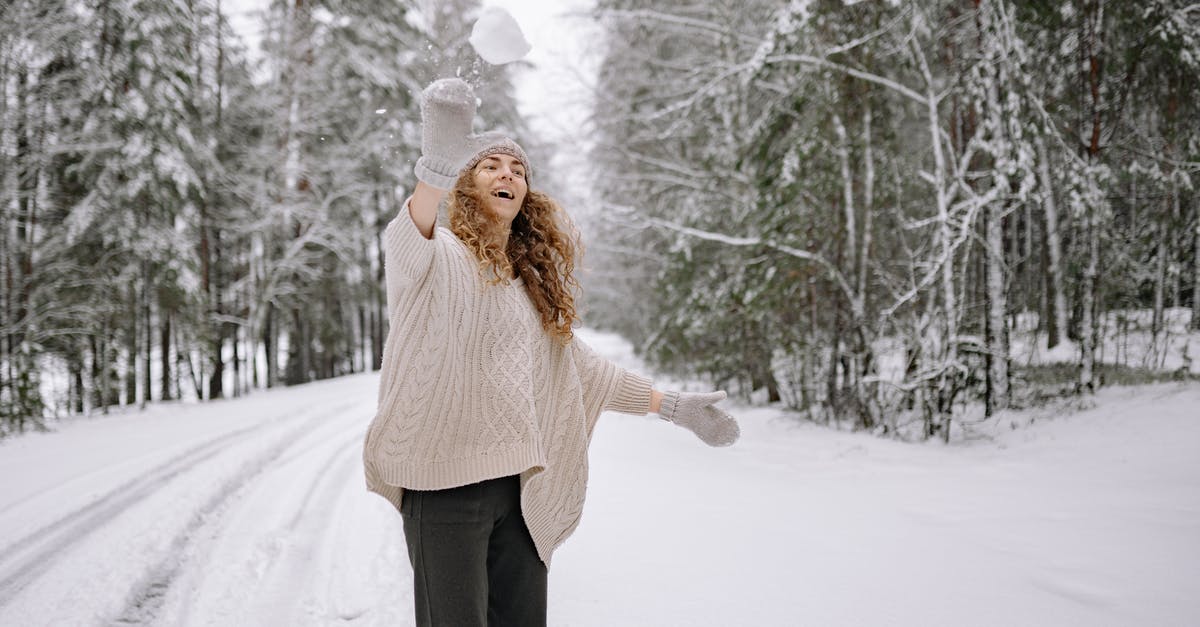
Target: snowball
{"points": [[497, 37]]}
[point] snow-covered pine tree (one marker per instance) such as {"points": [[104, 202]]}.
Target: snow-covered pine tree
{"points": [[31, 77]]}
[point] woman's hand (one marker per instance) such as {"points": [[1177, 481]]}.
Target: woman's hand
{"points": [[447, 111], [698, 413]]}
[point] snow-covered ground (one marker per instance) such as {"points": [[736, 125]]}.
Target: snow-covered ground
{"points": [[253, 512], [1125, 339]]}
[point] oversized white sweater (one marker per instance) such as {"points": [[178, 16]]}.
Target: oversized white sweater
{"points": [[472, 387]]}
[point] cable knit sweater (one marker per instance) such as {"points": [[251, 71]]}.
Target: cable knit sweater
{"points": [[473, 388]]}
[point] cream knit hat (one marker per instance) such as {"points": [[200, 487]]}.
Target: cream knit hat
{"points": [[487, 144]]}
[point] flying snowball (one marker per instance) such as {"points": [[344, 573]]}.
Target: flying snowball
{"points": [[497, 37]]}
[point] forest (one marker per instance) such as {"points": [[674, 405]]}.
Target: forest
{"points": [[874, 213], [878, 212], [185, 220]]}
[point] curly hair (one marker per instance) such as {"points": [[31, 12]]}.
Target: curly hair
{"points": [[543, 247]]}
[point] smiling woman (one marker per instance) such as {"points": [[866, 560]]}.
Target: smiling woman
{"points": [[492, 167], [498, 175], [499, 219], [487, 399]]}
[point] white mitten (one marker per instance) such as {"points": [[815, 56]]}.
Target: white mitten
{"points": [[447, 111], [698, 413]]}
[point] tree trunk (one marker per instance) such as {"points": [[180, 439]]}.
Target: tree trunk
{"points": [[1046, 316], [1088, 324], [77, 386], [147, 384], [869, 396], [101, 371], [359, 363], [1196, 266], [946, 358], [1054, 267], [183, 357], [95, 394], [868, 200], [301, 347], [997, 306], [131, 347], [1177, 246], [1033, 277], [1018, 292], [197, 378], [1093, 22], [22, 363], [253, 335], [235, 337], [237, 363], [204, 252], [216, 379], [6, 278], [165, 388], [268, 341], [379, 302], [949, 297], [843, 153], [832, 398], [1161, 252], [216, 382]]}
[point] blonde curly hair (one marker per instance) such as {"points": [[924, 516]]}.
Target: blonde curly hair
{"points": [[543, 247]]}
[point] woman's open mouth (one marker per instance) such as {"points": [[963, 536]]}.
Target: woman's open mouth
{"points": [[503, 193]]}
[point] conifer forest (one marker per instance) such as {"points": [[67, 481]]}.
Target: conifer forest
{"points": [[882, 214]]}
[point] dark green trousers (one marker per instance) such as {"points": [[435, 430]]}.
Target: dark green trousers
{"points": [[474, 563]]}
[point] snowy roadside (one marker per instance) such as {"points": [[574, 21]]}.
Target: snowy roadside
{"points": [[253, 512], [1091, 518]]}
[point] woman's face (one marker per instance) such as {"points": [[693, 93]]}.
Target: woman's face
{"points": [[500, 180]]}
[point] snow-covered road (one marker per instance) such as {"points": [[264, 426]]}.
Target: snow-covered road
{"points": [[224, 513], [253, 512]]}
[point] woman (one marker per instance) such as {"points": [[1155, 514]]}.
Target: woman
{"points": [[487, 400]]}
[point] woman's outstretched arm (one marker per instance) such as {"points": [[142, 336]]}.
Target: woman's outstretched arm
{"points": [[655, 401]]}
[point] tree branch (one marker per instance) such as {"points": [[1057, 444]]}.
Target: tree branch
{"points": [[731, 240], [866, 76]]}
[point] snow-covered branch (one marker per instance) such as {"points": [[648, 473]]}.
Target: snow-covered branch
{"points": [[808, 59], [647, 15], [731, 240]]}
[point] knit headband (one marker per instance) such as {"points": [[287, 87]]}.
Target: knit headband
{"points": [[494, 144]]}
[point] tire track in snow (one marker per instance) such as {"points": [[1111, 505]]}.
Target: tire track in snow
{"points": [[25, 558], [164, 585], [361, 570], [289, 578], [22, 561]]}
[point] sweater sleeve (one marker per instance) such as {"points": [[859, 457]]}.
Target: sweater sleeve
{"points": [[407, 254], [611, 387]]}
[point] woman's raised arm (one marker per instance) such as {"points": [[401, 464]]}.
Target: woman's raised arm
{"points": [[423, 207], [447, 111]]}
